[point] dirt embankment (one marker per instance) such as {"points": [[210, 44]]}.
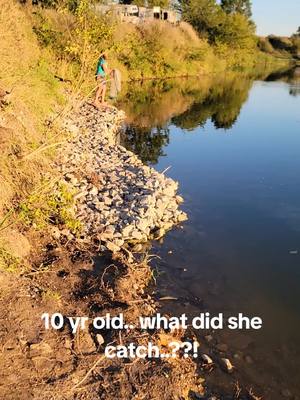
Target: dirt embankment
{"points": [[63, 276]]}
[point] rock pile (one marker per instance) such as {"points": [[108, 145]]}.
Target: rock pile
{"points": [[118, 198]]}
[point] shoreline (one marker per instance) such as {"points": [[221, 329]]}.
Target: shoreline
{"points": [[119, 200], [90, 274], [130, 249], [80, 276]]}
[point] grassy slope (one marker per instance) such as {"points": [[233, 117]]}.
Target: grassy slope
{"points": [[34, 95]]}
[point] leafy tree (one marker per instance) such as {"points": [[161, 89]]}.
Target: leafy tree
{"points": [[237, 32], [204, 15], [237, 6]]}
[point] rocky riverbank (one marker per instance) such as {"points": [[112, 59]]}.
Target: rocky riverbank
{"points": [[119, 200], [114, 192]]}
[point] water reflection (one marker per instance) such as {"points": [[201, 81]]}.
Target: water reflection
{"points": [[292, 77], [239, 251], [147, 143], [152, 106], [222, 104]]}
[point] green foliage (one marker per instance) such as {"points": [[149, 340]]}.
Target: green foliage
{"points": [[279, 46], [90, 36], [49, 206], [155, 49], [70, 4], [204, 15], [159, 3], [8, 262], [231, 33], [47, 36], [145, 53], [237, 32], [237, 6], [51, 295]]}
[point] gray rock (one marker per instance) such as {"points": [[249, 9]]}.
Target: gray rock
{"points": [[93, 191], [137, 235], [182, 217], [142, 224], [126, 232]]}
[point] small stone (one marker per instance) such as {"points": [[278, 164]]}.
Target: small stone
{"points": [[138, 248], [93, 191], [112, 247], [41, 349], [226, 365], [142, 224], [182, 217], [179, 199], [107, 201], [127, 230], [99, 339], [206, 359], [84, 343], [55, 232], [169, 191], [158, 233], [110, 229], [136, 234], [118, 242]]}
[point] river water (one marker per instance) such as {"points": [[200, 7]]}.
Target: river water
{"points": [[233, 143]]}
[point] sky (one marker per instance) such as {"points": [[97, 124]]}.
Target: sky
{"points": [[276, 16]]}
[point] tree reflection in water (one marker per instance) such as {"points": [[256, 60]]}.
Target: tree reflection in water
{"points": [[152, 106], [148, 143]]}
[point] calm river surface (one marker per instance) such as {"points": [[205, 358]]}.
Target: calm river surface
{"points": [[233, 143]]}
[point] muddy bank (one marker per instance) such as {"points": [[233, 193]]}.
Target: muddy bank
{"points": [[57, 364]]}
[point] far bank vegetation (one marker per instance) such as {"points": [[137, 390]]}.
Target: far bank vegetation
{"points": [[209, 38]]}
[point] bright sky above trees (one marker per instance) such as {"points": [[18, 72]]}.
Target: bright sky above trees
{"points": [[276, 16]]}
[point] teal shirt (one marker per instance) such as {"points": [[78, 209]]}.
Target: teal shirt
{"points": [[100, 69]]}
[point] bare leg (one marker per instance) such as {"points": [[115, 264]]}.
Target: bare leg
{"points": [[103, 94], [98, 94], [99, 99]]}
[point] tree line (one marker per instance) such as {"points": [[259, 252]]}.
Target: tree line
{"points": [[226, 23]]}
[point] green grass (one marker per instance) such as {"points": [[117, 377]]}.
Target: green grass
{"points": [[8, 262], [49, 204]]}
